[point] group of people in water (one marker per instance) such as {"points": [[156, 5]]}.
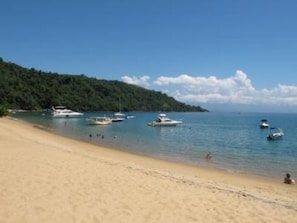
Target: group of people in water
{"points": [[98, 135]]}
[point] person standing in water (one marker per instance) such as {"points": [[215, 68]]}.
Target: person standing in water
{"points": [[208, 156]]}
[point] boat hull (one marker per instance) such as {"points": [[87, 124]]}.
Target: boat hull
{"points": [[66, 115], [155, 124], [98, 121], [117, 120]]}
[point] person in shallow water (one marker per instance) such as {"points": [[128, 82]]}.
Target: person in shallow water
{"points": [[288, 179], [208, 156]]}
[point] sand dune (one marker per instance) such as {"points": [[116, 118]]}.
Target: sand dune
{"points": [[49, 178]]}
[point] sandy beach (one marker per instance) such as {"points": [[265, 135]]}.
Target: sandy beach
{"points": [[48, 178]]}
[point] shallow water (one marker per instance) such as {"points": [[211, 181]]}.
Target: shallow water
{"points": [[235, 139]]}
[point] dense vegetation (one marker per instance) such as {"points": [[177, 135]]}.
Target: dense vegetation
{"points": [[31, 89], [3, 110]]}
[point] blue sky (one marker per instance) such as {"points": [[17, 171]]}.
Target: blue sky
{"points": [[231, 55]]}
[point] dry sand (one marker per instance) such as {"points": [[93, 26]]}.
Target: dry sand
{"points": [[49, 178]]}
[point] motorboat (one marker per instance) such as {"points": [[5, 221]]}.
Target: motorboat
{"points": [[163, 120], [63, 112], [264, 124], [275, 133], [118, 117], [95, 120]]}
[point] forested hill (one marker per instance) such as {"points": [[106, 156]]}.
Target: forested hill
{"points": [[31, 89]]}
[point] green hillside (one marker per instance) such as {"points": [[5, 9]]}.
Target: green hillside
{"points": [[31, 89]]}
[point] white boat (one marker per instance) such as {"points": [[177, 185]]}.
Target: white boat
{"points": [[275, 133], [163, 120], [63, 112], [118, 117], [264, 124], [95, 120]]}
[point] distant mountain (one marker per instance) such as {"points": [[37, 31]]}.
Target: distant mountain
{"points": [[31, 89]]}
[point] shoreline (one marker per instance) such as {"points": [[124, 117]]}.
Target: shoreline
{"points": [[60, 168], [274, 179], [255, 156]]}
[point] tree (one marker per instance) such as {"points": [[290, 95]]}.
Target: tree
{"points": [[3, 110]]}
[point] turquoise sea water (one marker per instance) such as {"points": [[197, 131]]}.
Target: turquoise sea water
{"points": [[235, 139]]}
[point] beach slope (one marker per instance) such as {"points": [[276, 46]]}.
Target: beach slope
{"points": [[48, 178]]}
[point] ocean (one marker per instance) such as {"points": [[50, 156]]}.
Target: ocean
{"points": [[237, 142]]}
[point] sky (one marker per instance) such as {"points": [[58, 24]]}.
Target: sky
{"points": [[223, 55]]}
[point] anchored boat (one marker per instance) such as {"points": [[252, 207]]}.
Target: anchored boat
{"points": [[163, 120]]}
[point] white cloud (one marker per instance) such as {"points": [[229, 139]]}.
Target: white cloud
{"points": [[142, 81], [236, 89]]}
